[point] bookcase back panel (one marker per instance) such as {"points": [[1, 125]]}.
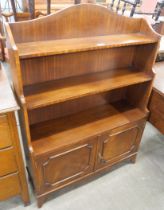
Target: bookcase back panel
{"points": [[138, 95], [145, 56], [78, 21], [74, 106], [43, 69]]}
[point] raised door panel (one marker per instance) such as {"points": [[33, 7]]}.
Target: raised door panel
{"points": [[7, 162], [118, 144], [67, 165], [5, 138], [9, 186]]}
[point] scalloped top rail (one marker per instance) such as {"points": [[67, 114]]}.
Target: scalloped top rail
{"points": [[54, 47], [84, 20]]}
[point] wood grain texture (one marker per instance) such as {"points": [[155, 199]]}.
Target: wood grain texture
{"points": [[12, 172], [157, 119], [74, 106], [7, 162], [54, 134], [5, 132], [58, 156], [9, 186], [138, 95], [19, 159], [14, 64], [119, 143], [59, 62], [83, 20], [62, 90], [69, 164], [55, 47], [37, 70]]}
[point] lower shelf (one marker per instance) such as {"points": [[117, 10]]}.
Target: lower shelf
{"points": [[56, 134]]}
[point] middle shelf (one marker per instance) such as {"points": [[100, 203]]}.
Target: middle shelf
{"points": [[61, 90]]}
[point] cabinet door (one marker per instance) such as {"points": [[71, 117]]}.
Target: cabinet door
{"points": [[67, 165], [118, 144]]}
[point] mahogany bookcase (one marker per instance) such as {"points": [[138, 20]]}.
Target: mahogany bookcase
{"points": [[83, 77]]}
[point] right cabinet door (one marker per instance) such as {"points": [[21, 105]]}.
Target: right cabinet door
{"points": [[118, 144]]}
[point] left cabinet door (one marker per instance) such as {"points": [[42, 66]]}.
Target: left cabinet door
{"points": [[66, 165]]}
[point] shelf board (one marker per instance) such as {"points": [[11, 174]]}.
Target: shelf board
{"points": [[58, 133], [62, 46], [57, 91]]}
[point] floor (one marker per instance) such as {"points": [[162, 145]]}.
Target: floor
{"points": [[137, 186]]}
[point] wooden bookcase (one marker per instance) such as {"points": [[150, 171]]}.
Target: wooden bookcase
{"points": [[83, 77]]}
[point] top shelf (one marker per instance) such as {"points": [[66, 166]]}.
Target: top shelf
{"points": [[63, 46]]}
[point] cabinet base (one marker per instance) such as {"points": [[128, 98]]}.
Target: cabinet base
{"points": [[41, 199]]}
